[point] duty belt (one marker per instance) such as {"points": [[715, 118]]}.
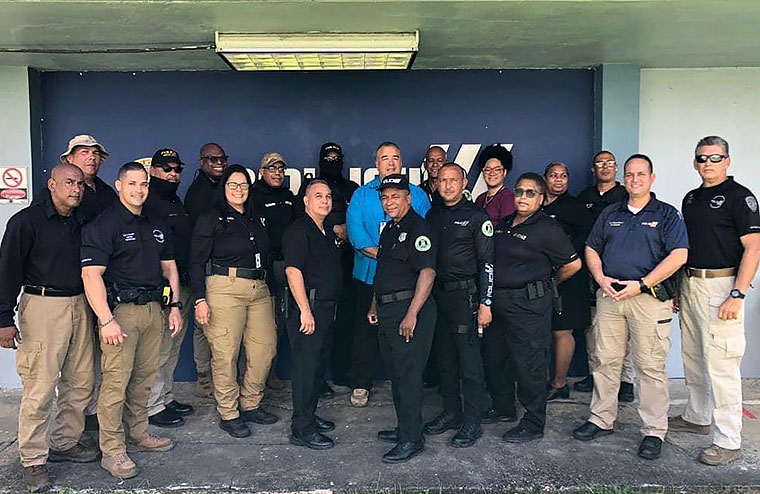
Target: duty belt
{"points": [[50, 292], [395, 297], [710, 273], [450, 286], [531, 291], [249, 274]]}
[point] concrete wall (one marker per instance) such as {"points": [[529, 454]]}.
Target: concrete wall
{"points": [[677, 108]]}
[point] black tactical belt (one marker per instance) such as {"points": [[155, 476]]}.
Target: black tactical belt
{"points": [[248, 274], [710, 273], [531, 291], [395, 297], [451, 286], [50, 292]]}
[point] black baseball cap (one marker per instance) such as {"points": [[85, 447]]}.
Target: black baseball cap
{"points": [[330, 147], [165, 155], [394, 181]]}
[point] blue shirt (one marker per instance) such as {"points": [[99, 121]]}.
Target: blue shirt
{"points": [[632, 245], [365, 219]]}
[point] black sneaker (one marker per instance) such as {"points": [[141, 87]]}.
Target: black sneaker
{"points": [[625, 395], [181, 408], [589, 431], [235, 428], [520, 434], [258, 416], [313, 441], [585, 386], [166, 418], [650, 448], [466, 436], [442, 423], [492, 417]]}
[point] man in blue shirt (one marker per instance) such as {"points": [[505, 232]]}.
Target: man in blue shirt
{"points": [[365, 219], [634, 247]]}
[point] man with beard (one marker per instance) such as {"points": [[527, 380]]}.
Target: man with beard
{"points": [[342, 189], [163, 203], [200, 197]]}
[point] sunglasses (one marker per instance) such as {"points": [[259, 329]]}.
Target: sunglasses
{"points": [[165, 167], [236, 186], [605, 164], [216, 159], [714, 158], [529, 193]]}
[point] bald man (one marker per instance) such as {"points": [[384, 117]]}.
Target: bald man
{"points": [[40, 254]]}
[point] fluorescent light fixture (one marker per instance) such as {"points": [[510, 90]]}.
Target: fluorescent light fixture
{"points": [[318, 51]]}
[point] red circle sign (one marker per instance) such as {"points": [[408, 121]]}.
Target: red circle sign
{"points": [[12, 177]]}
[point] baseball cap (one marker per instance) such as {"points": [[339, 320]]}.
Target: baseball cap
{"points": [[270, 159], [330, 147], [394, 181], [165, 155], [84, 140]]}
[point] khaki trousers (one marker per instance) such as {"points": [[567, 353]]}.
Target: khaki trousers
{"points": [[241, 312], [161, 389], [628, 374], [55, 351], [201, 349], [646, 322], [712, 351], [128, 371], [92, 406]]}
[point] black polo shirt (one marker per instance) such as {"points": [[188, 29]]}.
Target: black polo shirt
{"points": [[405, 249], [316, 254], [233, 240], [130, 247], [716, 219], [574, 218], [529, 251], [465, 241], [277, 205], [97, 200], [41, 248], [164, 204], [201, 196], [632, 245], [596, 202]]}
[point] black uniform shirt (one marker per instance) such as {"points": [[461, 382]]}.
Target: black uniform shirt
{"points": [[436, 201], [163, 203], [574, 218], [465, 242], [529, 251], [235, 240], [201, 196], [596, 202], [341, 189], [130, 247], [277, 205], [96, 201], [405, 249], [716, 217], [39, 248], [316, 255]]}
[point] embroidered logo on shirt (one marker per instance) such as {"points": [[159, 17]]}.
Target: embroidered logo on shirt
{"points": [[751, 203], [651, 224], [462, 222], [487, 228], [402, 237], [689, 199], [589, 205], [717, 201], [422, 244], [129, 237], [159, 236], [615, 223]]}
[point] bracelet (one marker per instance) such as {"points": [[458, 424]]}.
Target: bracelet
{"points": [[101, 326], [195, 304]]}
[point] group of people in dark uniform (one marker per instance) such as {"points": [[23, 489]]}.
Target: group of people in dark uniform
{"points": [[494, 294]]}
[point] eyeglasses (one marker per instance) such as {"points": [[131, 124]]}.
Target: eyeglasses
{"points": [[714, 158], [274, 169], [236, 186], [493, 171], [167, 168], [530, 193], [605, 163], [216, 159]]}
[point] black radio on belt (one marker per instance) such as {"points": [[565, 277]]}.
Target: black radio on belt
{"points": [[534, 290]]}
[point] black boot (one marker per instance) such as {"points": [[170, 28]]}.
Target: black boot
{"points": [[442, 423], [316, 440], [466, 436], [235, 427], [403, 452], [181, 408], [258, 416], [166, 418]]}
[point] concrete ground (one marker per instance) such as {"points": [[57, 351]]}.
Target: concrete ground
{"points": [[206, 458]]}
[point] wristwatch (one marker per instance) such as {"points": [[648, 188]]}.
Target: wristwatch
{"points": [[737, 294], [643, 287], [176, 304]]}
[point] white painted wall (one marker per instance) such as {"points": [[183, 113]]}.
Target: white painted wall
{"points": [[15, 150], [677, 108]]}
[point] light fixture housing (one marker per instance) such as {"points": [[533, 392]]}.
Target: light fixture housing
{"points": [[318, 51]]}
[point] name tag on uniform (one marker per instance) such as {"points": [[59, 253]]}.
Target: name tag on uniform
{"points": [[258, 261]]}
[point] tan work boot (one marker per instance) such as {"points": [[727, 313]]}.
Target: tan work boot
{"points": [[36, 478], [119, 465], [359, 398], [715, 455], [150, 443], [203, 386], [77, 454], [678, 424]]}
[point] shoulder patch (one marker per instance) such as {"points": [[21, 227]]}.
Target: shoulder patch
{"points": [[751, 203], [158, 235], [422, 244], [487, 228]]}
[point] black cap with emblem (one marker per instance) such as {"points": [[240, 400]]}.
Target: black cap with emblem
{"points": [[394, 181], [165, 155]]}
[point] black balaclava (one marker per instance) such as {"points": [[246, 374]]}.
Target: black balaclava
{"points": [[164, 187], [330, 169]]}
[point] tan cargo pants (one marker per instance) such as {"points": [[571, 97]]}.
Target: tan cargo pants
{"points": [[128, 371], [241, 311], [712, 351], [161, 389], [646, 322], [627, 374], [55, 351]]}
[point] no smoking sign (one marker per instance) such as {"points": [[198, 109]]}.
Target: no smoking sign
{"points": [[13, 185]]}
